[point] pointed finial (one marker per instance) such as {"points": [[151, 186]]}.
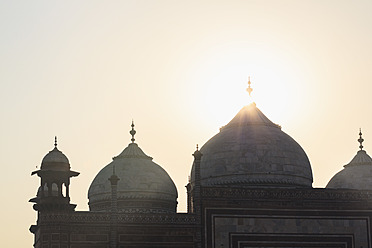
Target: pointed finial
{"points": [[132, 132], [55, 141], [197, 154], [360, 140], [249, 89]]}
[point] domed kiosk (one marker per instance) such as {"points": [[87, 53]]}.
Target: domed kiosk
{"points": [[357, 174], [54, 191], [144, 186], [253, 151]]}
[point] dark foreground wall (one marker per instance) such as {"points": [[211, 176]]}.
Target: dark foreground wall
{"points": [[230, 217], [242, 218], [95, 230]]}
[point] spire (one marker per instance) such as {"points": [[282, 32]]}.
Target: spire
{"points": [[114, 178], [249, 89], [360, 140], [55, 141], [114, 208], [197, 154], [132, 132]]}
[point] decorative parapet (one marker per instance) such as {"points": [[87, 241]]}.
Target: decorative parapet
{"points": [[123, 218], [286, 194], [158, 218], [86, 217]]}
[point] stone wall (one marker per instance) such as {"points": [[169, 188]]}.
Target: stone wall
{"points": [[94, 230], [288, 228], [286, 217]]}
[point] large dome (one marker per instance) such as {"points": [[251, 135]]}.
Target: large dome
{"points": [[356, 175], [143, 186], [252, 151]]}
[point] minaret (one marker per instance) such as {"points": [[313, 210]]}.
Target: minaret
{"points": [[196, 196], [114, 209]]}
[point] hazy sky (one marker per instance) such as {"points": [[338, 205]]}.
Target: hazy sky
{"points": [[82, 70]]}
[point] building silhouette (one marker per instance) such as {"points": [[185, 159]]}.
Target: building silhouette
{"points": [[250, 186]]}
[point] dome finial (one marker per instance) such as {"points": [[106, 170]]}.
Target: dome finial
{"points": [[55, 141], [360, 140], [249, 89], [132, 132]]}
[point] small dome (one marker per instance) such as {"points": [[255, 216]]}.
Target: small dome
{"points": [[143, 186], [253, 151], [357, 174], [55, 160]]}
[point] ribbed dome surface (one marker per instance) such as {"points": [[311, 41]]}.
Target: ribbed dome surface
{"points": [[55, 160], [143, 186], [252, 151], [356, 175]]}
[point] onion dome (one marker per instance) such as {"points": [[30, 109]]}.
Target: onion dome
{"points": [[357, 174], [55, 160], [144, 186], [253, 151]]}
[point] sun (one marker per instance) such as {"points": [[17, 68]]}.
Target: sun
{"points": [[223, 100], [221, 77]]}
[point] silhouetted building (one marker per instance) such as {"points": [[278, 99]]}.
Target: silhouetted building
{"points": [[250, 186]]}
